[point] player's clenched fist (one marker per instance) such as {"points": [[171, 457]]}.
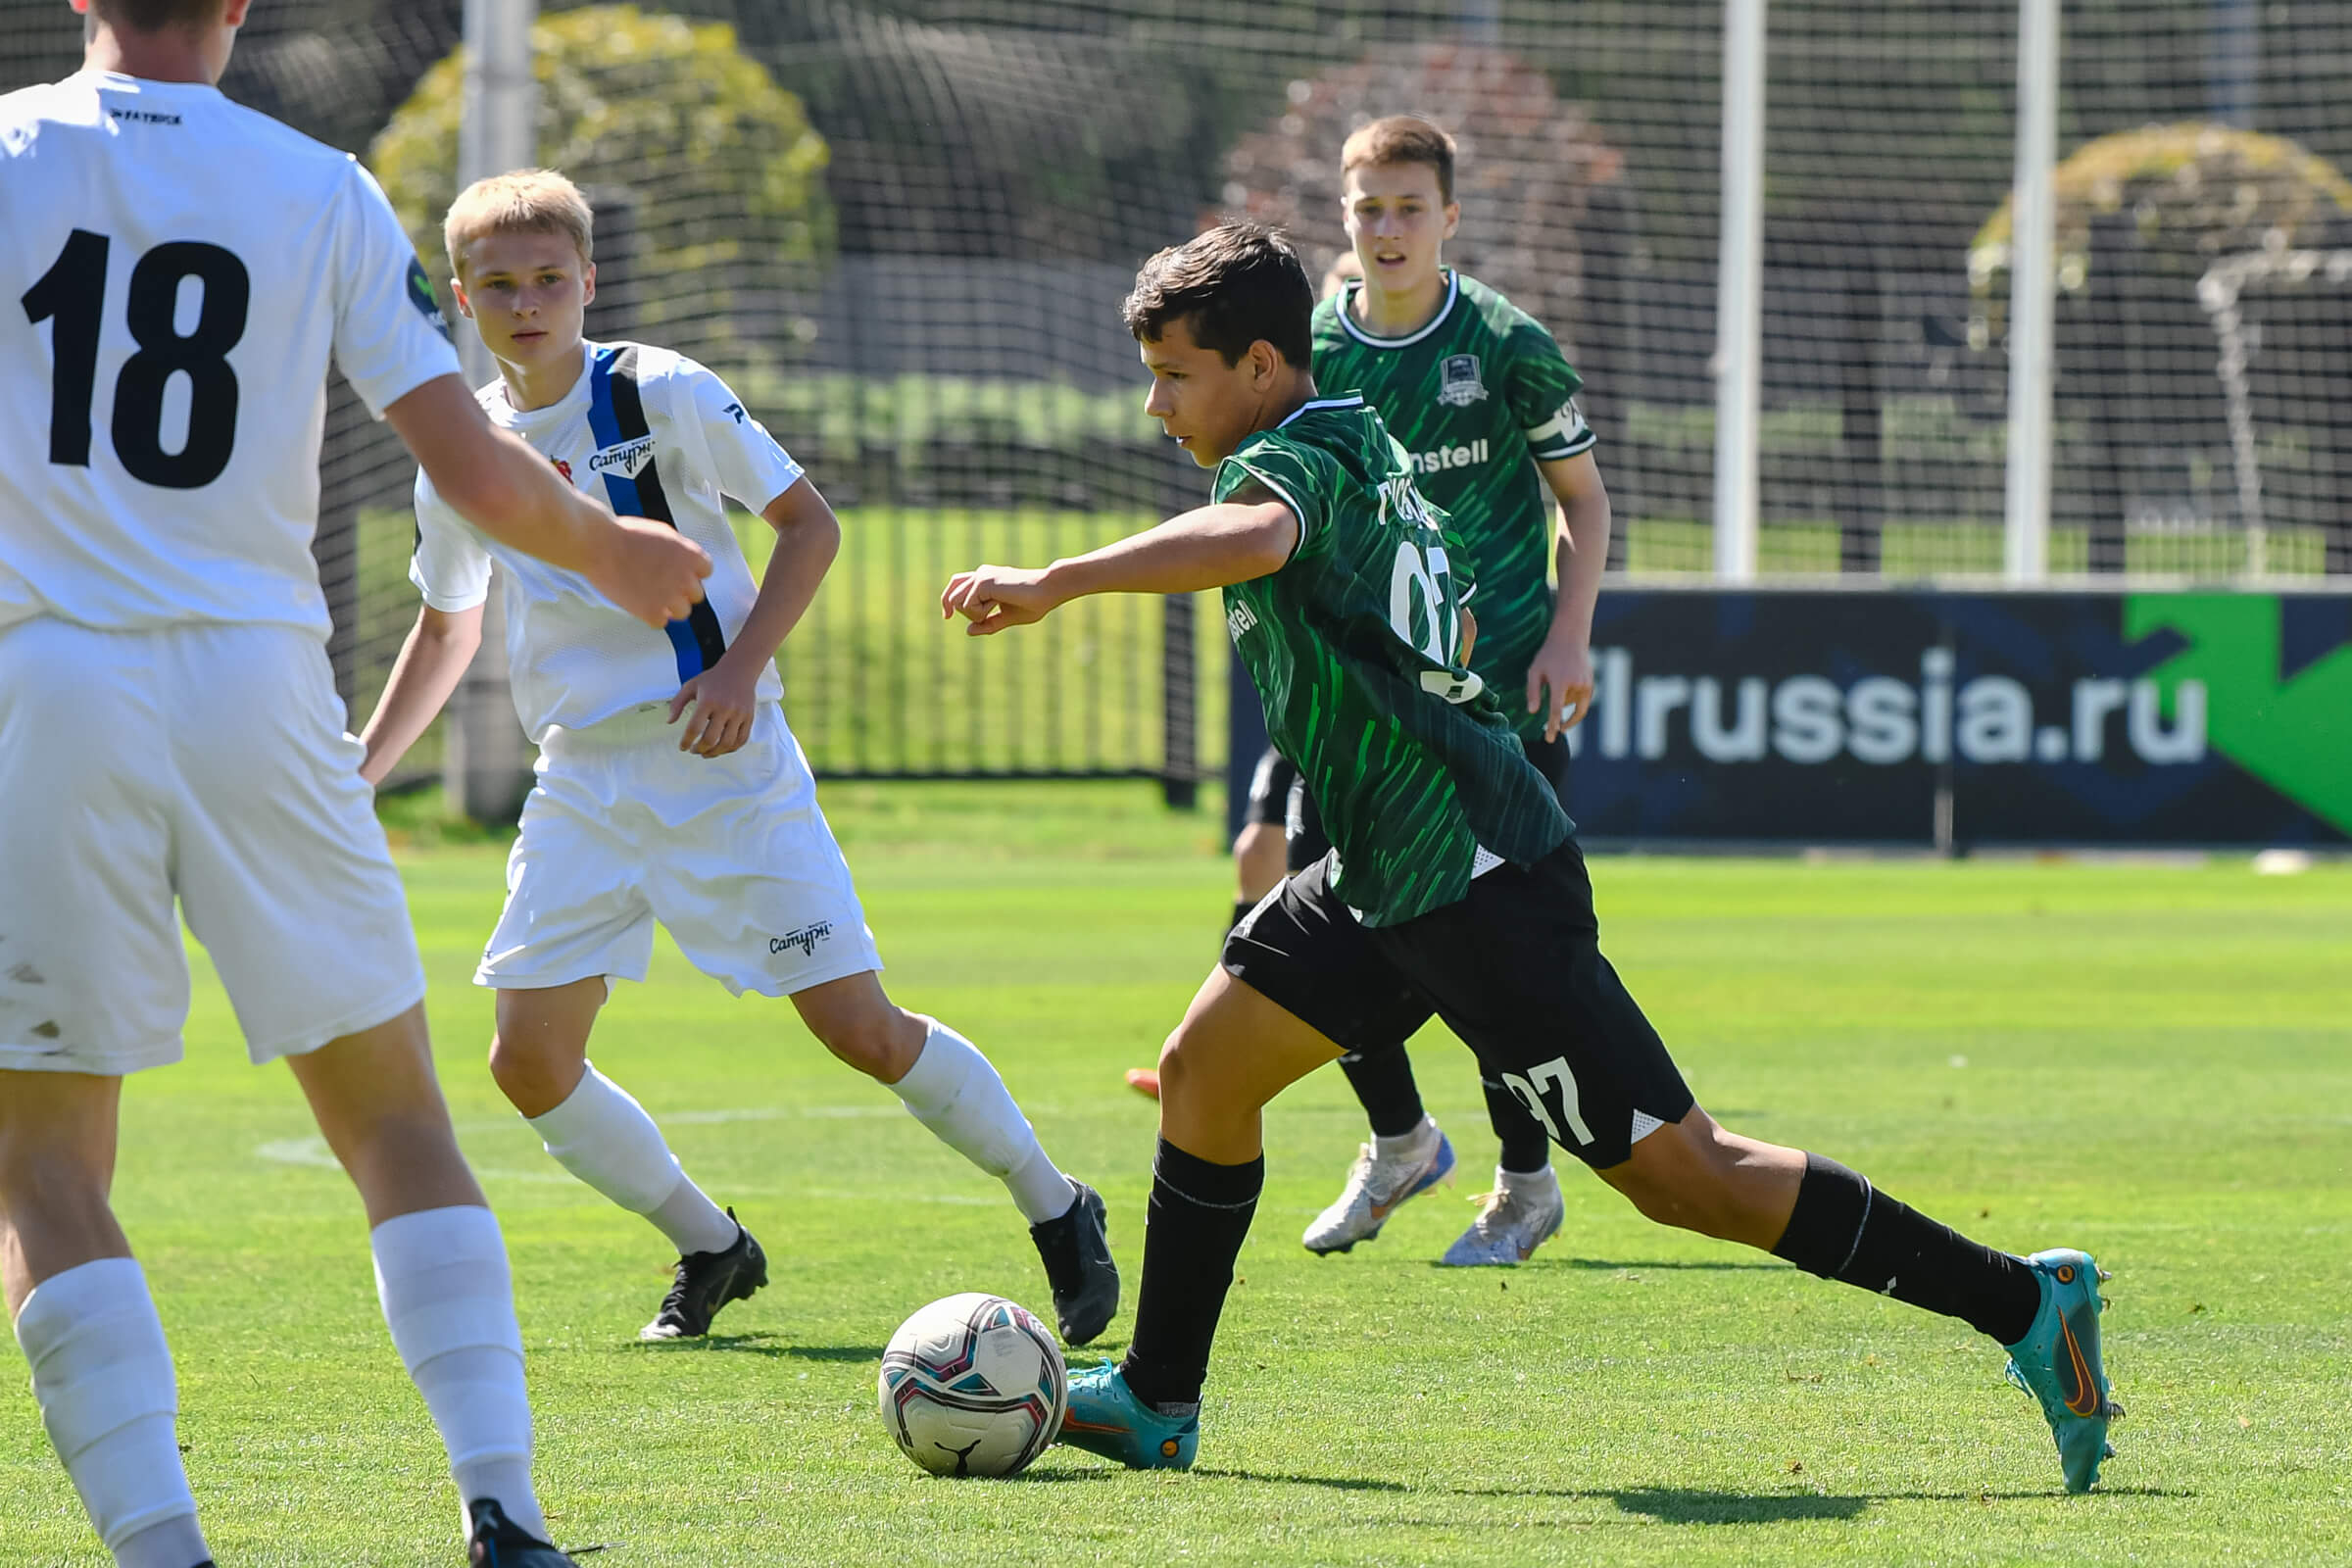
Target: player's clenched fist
{"points": [[993, 598], [651, 571]]}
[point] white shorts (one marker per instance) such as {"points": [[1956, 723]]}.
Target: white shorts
{"points": [[207, 763], [730, 854]]}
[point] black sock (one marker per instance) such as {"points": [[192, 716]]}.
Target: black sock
{"points": [[1383, 1081], [1193, 1232], [1526, 1146], [1843, 1229], [1240, 911]]}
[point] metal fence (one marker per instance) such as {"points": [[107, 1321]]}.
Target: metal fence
{"points": [[902, 229]]}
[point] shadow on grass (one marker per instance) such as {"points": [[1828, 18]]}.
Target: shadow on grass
{"points": [[758, 1343], [1334, 1483], [1039, 1478], [1684, 1506], [1687, 1266], [1678, 1506]]}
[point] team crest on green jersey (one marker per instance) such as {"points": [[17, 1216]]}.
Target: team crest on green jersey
{"points": [[1458, 381]]}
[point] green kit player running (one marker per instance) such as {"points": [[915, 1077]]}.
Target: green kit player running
{"points": [[1455, 884], [1485, 404]]}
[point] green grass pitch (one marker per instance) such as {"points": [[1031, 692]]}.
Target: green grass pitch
{"points": [[2149, 1061]]}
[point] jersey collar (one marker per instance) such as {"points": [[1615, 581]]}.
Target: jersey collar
{"points": [[1353, 400], [569, 403], [1453, 290]]}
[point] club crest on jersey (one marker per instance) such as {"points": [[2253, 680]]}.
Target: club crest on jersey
{"points": [[563, 468], [1458, 382], [627, 460]]}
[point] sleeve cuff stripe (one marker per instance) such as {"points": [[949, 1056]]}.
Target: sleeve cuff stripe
{"points": [[1288, 501]]}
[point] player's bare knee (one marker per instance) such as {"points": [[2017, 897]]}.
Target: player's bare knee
{"points": [[1175, 1068], [1191, 1075], [1684, 1176], [531, 1072], [882, 1043]]}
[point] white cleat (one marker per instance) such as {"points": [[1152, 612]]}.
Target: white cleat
{"points": [[1509, 1227], [1375, 1188]]}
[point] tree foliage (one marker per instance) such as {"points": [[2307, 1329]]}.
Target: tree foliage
{"points": [[1527, 165], [726, 172], [2195, 189]]}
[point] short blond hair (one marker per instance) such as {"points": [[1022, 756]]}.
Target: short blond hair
{"points": [[1401, 139], [527, 201]]}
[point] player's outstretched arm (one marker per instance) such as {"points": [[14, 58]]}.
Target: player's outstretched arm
{"points": [[1563, 666], [1209, 547], [500, 485], [431, 663], [726, 695]]}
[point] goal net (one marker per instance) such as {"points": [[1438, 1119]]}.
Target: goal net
{"points": [[902, 227]]}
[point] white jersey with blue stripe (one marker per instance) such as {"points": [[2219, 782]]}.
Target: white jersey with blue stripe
{"points": [[653, 434], [177, 271]]}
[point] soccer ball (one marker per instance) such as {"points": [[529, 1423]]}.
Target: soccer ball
{"points": [[974, 1386]]}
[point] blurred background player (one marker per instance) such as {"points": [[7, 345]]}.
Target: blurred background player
{"points": [[669, 788], [170, 730], [1457, 881], [1483, 401]]}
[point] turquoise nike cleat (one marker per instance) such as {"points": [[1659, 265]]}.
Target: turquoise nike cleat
{"points": [[2058, 1363], [1106, 1418]]}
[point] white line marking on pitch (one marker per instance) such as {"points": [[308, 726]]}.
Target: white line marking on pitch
{"points": [[712, 1119], [312, 1152]]}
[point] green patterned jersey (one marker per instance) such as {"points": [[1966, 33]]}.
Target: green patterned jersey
{"points": [[1354, 645], [1476, 396]]}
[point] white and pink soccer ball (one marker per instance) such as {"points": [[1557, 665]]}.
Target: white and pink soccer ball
{"points": [[974, 1385]]}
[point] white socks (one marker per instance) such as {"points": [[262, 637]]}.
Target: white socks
{"points": [[604, 1137], [954, 1090], [102, 1375], [1407, 1146], [1541, 1184], [441, 1274]]}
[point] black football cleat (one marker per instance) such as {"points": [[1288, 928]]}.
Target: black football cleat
{"points": [[1076, 1251], [498, 1542], [705, 1282]]}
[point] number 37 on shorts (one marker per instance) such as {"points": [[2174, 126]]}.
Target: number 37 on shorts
{"points": [[1549, 1092]]}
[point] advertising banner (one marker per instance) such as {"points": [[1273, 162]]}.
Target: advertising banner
{"points": [[1969, 718]]}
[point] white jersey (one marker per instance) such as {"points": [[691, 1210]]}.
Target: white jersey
{"points": [[177, 271], [653, 434]]}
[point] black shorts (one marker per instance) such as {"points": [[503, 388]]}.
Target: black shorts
{"points": [[1270, 788], [1304, 834], [1514, 967]]}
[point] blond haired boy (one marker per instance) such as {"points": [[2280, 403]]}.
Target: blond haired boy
{"points": [[669, 788]]}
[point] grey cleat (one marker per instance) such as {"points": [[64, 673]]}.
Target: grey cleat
{"points": [[1509, 1227], [1375, 1188]]}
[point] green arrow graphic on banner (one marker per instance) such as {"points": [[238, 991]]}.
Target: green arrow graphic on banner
{"points": [[2294, 735]]}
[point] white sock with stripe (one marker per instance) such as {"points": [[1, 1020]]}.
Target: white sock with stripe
{"points": [[103, 1377]]}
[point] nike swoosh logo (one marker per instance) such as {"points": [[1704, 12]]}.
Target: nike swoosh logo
{"points": [[1070, 1423], [2082, 1389]]}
